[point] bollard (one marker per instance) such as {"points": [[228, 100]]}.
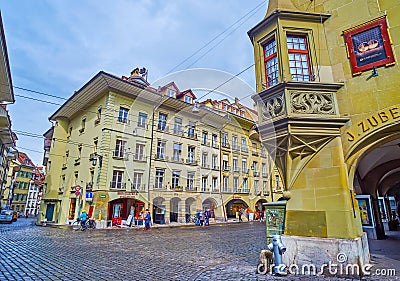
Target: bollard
{"points": [[278, 249], [44, 223]]}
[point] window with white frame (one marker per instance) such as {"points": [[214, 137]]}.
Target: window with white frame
{"points": [[117, 179], [225, 139], [204, 160], [256, 186], [214, 183], [177, 151], [191, 154], [204, 184], [235, 164], [142, 119], [123, 114], [119, 148], [161, 149], [171, 93], [190, 180], [264, 169], [139, 155], [162, 121], [244, 145], [214, 140], [235, 184], [225, 183], [159, 182], [244, 165], [175, 178], [235, 142], [191, 129], [277, 186], [225, 162], [204, 138], [188, 99], [214, 161], [265, 187], [178, 125], [244, 185], [137, 181]]}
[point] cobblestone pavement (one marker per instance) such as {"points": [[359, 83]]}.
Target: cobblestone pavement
{"points": [[218, 252]]}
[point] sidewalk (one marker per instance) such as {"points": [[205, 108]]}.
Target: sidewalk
{"points": [[385, 254]]}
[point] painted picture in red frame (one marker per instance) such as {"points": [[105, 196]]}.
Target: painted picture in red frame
{"points": [[369, 45]]}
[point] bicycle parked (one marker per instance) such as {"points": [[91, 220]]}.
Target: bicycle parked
{"points": [[89, 224]]}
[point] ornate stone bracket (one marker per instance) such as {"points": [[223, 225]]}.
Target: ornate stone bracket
{"points": [[312, 103]]}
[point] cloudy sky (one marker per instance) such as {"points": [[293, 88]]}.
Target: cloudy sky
{"points": [[55, 47]]}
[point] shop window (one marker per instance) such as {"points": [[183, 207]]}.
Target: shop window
{"points": [[271, 63], [299, 61]]}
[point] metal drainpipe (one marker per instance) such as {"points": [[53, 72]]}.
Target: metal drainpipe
{"points": [[149, 174]]}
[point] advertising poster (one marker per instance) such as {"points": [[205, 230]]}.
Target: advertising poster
{"points": [[369, 45], [364, 203], [275, 218]]}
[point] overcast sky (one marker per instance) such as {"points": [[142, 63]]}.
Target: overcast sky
{"points": [[55, 47]]}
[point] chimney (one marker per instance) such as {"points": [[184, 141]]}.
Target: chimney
{"points": [[237, 101]]}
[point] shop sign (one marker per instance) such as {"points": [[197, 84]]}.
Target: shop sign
{"points": [[236, 197], [89, 196], [102, 196], [369, 45]]}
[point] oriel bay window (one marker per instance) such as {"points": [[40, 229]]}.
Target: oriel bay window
{"points": [[117, 180], [271, 63], [299, 61]]}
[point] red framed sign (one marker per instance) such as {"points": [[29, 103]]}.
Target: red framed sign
{"points": [[369, 45]]}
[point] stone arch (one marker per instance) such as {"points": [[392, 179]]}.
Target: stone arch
{"points": [[233, 206], [159, 209], [190, 208], [174, 209]]}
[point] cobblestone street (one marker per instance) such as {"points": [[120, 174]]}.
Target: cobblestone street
{"points": [[218, 252]]}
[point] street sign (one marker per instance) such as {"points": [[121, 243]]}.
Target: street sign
{"points": [[77, 193], [77, 187], [89, 196]]}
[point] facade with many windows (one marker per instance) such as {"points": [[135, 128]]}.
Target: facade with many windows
{"points": [[128, 146]]}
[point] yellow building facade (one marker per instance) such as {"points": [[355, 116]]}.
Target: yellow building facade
{"points": [[326, 78], [119, 147]]}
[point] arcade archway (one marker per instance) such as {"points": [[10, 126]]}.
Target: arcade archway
{"points": [[234, 206], [376, 176], [159, 210]]}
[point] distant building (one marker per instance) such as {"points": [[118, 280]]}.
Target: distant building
{"points": [[7, 138]]}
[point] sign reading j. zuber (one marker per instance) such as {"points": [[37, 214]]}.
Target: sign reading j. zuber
{"points": [[372, 122]]}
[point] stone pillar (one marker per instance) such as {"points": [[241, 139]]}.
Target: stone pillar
{"points": [[167, 204]]}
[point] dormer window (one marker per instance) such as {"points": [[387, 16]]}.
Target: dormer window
{"points": [[171, 93], [188, 99], [299, 61], [271, 63]]}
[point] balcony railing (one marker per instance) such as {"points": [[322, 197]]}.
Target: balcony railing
{"points": [[177, 159], [138, 187], [236, 169], [215, 168], [120, 155], [207, 143], [161, 157], [159, 186], [191, 161], [245, 149], [226, 145], [191, 188], [205, 166], [235, 147], [215, 145], [139, 157], [226, 168], [117, 185]]}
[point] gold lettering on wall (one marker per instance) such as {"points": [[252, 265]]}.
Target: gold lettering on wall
{"points": [[373, 121]]}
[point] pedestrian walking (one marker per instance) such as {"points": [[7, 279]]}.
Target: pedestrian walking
{"points": [[147, 220], [201, 217], [240, 213], [27, 214], [207, 217], [261, 215]]}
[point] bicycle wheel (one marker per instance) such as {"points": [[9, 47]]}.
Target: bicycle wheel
{"points": [[76, 225], [93, 225]]}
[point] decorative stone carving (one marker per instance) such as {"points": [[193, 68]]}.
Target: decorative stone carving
{"points": [[312, 103], [274, 106]]}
